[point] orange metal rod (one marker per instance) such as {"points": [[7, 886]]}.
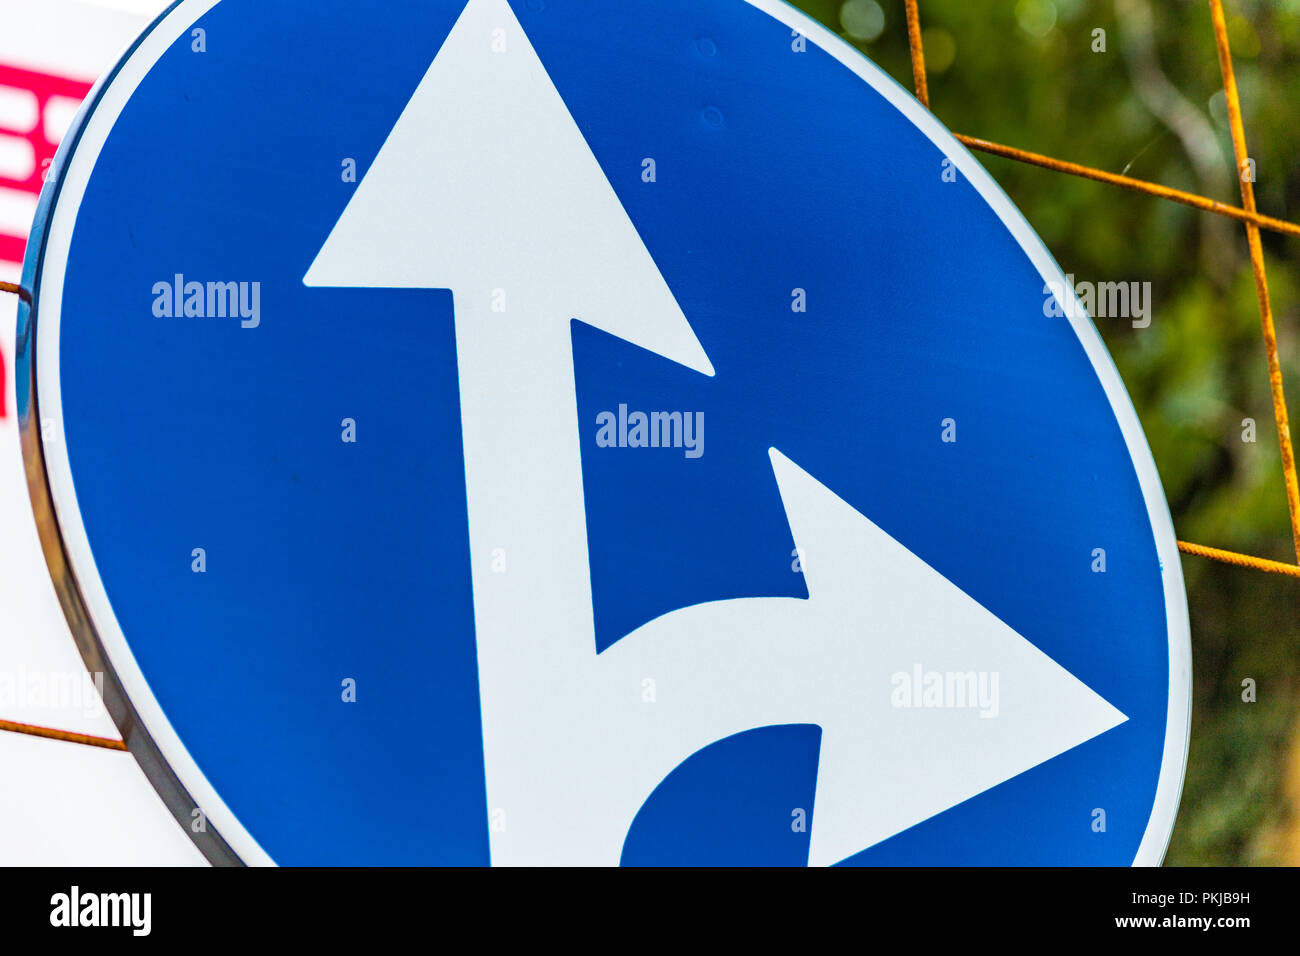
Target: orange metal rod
{"points": [[918, 53], [16, 290], [31, 730], [1241, 560], [1257, 263], [1137, 185]]}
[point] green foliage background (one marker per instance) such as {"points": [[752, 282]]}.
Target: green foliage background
{"points": [[1024, 73]]}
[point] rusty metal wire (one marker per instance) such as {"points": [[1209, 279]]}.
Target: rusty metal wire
{"points": [[68, 736], [1241, 560], [17, 290], [918, 52], [1128, 182], [1247, 181]]}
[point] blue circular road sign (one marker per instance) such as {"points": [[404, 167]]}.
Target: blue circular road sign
{"points": [[558, 432]]}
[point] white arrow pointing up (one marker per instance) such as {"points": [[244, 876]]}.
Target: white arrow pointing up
{"points": [[486, 186]]}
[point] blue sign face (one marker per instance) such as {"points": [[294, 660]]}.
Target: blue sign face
{"points": [[532, 432]]}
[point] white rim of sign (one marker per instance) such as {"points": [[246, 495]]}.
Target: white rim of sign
{"points": [[97, 122]]}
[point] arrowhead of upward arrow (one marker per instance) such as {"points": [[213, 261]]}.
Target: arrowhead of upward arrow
{"points": [[486, 183]]}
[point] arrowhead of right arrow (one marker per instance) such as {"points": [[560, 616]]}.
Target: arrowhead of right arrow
{"points": [[905, 749]]}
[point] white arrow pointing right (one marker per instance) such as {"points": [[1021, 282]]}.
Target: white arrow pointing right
{"points": [[874, 610]]}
